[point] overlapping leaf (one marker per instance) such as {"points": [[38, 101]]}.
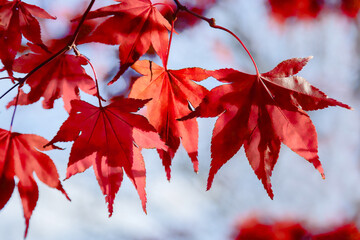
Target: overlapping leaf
{"points": [[20, 157], [171, 91], [109, 139], [260, 112], [16, 19], [135, 25], [61, 78]]}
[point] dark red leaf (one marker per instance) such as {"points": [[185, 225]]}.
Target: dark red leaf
{"points": [[109, 139], [261, 112], [346, 232], [253, 229], [267, 229], [350, 7], [302, 9]]}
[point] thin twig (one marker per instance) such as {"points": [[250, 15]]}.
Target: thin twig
{"points": [[10, 89], [16, 104], [82, 20], [211, 22], [6, 78]]}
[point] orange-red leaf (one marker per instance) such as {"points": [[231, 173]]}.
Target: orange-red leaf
{"points": [[20, 157], [171, 91], [109, 139], [260, 112], [61, 78], [135, 25]]}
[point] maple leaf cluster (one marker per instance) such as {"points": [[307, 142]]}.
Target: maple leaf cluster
{"points": [[258, 111]]}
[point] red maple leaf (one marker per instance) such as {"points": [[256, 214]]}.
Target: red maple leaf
{"points": [[267, 229], [348, 231], [20, 157], [260, 112], [171, 91], [62, 77], [16, 19], [135, 25], [253, 229], [302, 9], [350, 7], [109, 139]]}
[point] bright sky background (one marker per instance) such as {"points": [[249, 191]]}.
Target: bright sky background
{"points": [[182, 209]]}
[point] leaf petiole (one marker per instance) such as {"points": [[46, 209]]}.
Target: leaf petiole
{"points": [[95, 78], [171, 36]]}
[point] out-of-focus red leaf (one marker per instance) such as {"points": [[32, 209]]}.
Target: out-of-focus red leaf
{"points": [[20, 157], [253, 229], [345, 232], [109, 139], [350, 7], [302, 9], [171, 91], [261, 112], [267, 229], [223, 51]]}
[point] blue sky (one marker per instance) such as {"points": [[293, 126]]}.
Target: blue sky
{"points": [[182, 209]]}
